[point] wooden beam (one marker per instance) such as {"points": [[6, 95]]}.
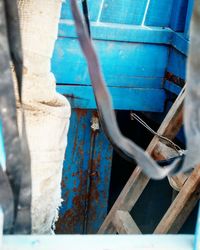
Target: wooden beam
{"points": [[161, 152], [182, 205], [138, 181], [124, 224]]}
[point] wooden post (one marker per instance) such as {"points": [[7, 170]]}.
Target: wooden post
{"points": [[124, 224], [182, 205]]}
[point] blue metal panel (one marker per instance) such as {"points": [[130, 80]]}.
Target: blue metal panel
{"points": [[124, 98], [120, 32], [86, 177]]}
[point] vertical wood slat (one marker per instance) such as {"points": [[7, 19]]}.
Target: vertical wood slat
{"points": [[178, 16], [124, 224], [159, 13], [138, 181], [182, 205]]}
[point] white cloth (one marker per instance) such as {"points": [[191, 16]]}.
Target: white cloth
{"points": [[47, 113]]}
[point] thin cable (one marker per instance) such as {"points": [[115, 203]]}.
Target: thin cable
{"points": [[144, 124]]}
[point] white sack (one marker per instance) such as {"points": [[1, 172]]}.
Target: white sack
{"points": [[47, 112]]}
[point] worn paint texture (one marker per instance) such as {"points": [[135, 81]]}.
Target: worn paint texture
{"points": [[86, 176]]}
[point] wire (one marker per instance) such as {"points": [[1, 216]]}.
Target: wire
{"points": [[144, 124]]}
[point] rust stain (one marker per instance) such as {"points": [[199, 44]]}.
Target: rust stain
{"points": [[86, 197]]}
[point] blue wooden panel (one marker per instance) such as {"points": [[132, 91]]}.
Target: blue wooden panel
{"points": [[159, 13], [177, 63], [173, 88], [123, 98], [94, 8], [176, 66], [86, 177], [180, 43], [120, 32], [179, 15], [123, 12], [123, 64]]}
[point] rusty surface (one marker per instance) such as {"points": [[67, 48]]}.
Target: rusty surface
{"points": [[86, 177], [175, 79]]}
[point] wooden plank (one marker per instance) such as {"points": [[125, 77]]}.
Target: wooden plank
{"points": [[124, 224], [135, 99], [138, 181], [123, 64], [177, 63], [180, 43], [120, 32], [178, 16], [180, 208], [159, 13], [183, 216], [173, 88], [161, 152], [117, 11], [178, 181], [99, 242]]}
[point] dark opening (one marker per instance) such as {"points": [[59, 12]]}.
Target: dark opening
{"points": [[157, 196]]}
